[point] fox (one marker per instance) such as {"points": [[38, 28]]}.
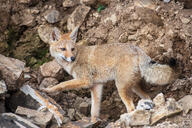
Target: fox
{"points": [[92, 66]]}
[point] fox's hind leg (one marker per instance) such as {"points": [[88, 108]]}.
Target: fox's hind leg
{"points": [[146, 103], [137, 90]]}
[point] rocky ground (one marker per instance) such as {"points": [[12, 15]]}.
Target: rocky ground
{"points": [[162, 29]]}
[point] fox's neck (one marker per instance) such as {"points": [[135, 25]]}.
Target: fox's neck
{"points": [[66, 65]]}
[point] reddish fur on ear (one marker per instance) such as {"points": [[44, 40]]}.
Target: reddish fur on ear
{"points": [[66, 36]]}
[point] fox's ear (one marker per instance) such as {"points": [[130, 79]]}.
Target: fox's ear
{"points": [[55, 35], [74, 33]]}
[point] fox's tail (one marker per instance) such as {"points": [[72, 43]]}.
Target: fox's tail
{"points": [[155, 73]]}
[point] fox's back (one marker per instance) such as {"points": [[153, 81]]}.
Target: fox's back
{"points": [[101, 61]]}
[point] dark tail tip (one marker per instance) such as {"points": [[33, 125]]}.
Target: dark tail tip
{"points": [[172, 62]]}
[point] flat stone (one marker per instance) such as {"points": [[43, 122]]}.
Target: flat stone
{"points": [[40, 118], [52, 69], [186, 103], [52, 16], [12, 71], [136, 118], [77, 17], [171, 107]]}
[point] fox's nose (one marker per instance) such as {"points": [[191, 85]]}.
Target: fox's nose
{"points": [[72, 58]]}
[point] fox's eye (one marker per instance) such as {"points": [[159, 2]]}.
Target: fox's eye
{"points": [[63, 49], [72, 49]]}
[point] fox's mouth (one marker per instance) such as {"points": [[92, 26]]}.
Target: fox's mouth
{"points": [[65, 59]]}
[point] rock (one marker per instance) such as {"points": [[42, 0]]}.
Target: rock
{"points": [[171, 107], [166, 1], [2, 107], [15, 100], [71, 113], [52, 69], [166, 124], [145, 3], [85, 123], [23, 17], [39, 118], [117, 124], [147, 16], [145, 104], [84, 108], [70, 3], [3, 87], [44, 32], [112, 18], [88, 2], [4, 20], [45, 101], [136, 118], [159, 100], [10, 120], [11, 71], [28, 2], [77, 17], [184, 20], [186, 103], [52, 16], [48, 82]]}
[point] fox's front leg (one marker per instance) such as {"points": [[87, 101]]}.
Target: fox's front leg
{"points": [[96, 94], [68, 85]]}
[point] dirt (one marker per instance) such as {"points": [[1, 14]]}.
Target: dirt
{"points": [[165, 35]]}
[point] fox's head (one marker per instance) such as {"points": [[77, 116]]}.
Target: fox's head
{"points": [[62, 46]]}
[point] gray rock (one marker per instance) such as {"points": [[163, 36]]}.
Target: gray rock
{"points": [[186, 103], [52, 16], [15, 121], [40, 118], [52, 69], [136, 118], [12, 71], [77, 17]]}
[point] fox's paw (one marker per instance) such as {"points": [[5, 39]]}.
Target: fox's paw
{"points": [[145, 104]]}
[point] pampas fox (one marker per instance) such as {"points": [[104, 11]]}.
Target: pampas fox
{"points": [[92, 66]]}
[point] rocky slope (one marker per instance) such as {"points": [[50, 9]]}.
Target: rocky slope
{"points": [[163, 30]]}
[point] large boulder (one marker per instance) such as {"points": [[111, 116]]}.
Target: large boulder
{"points": [[12, 71]]}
